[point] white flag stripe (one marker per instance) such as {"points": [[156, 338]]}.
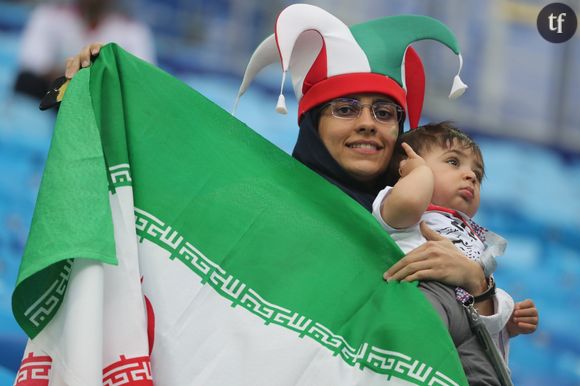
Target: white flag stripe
{"points": [[125, 321], [102, 321], [76, 354], [200, 339]]}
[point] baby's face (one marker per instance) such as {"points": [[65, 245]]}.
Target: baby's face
{"points": [[458, 173]]}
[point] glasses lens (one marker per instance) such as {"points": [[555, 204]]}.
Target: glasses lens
{"points": [[386, 112], [345, 108]]}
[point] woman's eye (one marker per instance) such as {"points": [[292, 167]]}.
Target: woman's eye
{"points": [[384, 113], [345, 110]]}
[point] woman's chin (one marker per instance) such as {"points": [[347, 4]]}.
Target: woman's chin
{"points": [[365, 174]]}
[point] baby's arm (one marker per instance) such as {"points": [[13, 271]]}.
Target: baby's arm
{"points": [[496, 323], [411, 195]]}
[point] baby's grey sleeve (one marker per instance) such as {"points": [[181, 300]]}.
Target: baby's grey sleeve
{"points": [[477, 367]]}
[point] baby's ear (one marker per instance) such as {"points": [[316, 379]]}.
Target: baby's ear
{"points": [[401, 164]]}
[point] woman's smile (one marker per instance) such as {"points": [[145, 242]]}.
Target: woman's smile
{"points": [[365, 147]]}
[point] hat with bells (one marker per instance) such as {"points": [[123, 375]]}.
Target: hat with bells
{"points": [[327, 59]]}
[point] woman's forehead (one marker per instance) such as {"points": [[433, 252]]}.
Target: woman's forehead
{"points": [[364, 97]]}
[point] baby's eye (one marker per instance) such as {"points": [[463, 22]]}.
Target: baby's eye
{"points": [[478, 175], [453, 161]]}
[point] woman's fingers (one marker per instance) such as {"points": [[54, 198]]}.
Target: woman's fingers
{"points": [[408, 264], [441, 261], [416, 254], [82, 60], [428, 251], [88, 52], [406, 271], [85, 56], [430, 234], [72, 66], [428, 269], [426, 273], [421, 266], [95, 48]]}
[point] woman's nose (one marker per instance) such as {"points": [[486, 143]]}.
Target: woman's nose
{"points": [[366, 129], [366, 122]]}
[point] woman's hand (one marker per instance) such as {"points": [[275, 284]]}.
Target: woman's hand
{"points": [[439, 260], [82, 60]]}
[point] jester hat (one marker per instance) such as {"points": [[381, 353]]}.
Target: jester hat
{"points": [[327, 59]]}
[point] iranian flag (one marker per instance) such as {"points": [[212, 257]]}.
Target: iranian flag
{"points": [[172, 245]]}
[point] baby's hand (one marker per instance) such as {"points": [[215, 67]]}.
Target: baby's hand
{"points": [[412, 161], [524, 319]]}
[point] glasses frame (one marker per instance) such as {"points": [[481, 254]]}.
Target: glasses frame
{"points": [[353, 101]]}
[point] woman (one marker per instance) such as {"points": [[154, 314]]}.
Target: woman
{"points": [[350, 115], [352, 151]]}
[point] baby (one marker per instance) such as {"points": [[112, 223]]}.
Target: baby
{"points": [[441, 170]]}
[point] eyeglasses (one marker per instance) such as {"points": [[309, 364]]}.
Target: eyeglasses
{"points": [[383, 112]]}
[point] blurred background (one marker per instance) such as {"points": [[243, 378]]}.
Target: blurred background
{"points": [[523, 107]]}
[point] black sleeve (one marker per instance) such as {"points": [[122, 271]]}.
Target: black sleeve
{"points": [[31, 84], [477, 366]]}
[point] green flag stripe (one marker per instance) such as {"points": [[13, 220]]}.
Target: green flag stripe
{"points": [[35, 316], [72, 217]]}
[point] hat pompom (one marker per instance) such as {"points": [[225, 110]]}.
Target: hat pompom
{"points": [[458, 88], [281, 105]]}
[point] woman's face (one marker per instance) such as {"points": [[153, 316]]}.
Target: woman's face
{"points": [[362, 146]]}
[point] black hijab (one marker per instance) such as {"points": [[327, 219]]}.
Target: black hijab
{"points": [[310, 150]]}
